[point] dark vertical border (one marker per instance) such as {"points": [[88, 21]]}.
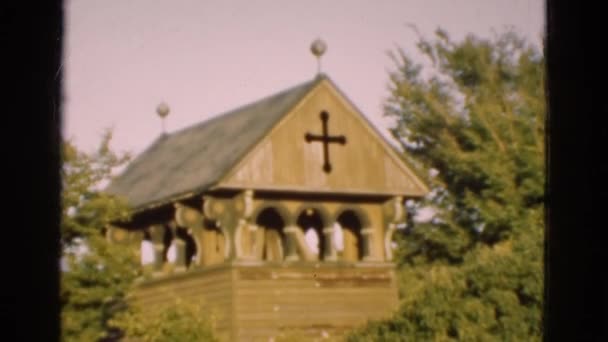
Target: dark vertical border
{"points": [[575, 266], [31, 50], [575, 269]]}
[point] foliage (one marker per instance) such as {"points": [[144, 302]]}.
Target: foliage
{"points": [[85, 209], [178, 322], [98, 276], [475, 116]]}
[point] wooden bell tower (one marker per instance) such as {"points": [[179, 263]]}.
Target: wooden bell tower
{"points": [[278, 216]]}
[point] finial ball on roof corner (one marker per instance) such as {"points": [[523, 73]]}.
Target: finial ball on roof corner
{"points": [[162, 110], [318, 47]]}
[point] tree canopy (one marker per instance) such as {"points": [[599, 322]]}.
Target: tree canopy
{"points": [[472, 119]]}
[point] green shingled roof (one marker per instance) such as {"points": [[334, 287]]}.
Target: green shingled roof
{"points": [[193, 159]]}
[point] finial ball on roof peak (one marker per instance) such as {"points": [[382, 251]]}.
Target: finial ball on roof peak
{"points": [[318, 47], [162, 110]]}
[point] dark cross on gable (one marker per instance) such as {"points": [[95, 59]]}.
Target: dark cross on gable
{"points": [[326, 139]]}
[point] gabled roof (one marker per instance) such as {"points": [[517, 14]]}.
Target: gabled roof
{"points": [[193, 159]]}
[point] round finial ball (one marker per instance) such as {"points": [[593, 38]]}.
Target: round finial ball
{"points": [[318, 47], [162, 110]]}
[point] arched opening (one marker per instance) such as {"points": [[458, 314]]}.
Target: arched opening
{"points": [[352, 240], [311, 223], [270, 237], [146, 250]]}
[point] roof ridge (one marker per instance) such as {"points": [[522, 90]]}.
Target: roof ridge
{"points": [[238, 109]]}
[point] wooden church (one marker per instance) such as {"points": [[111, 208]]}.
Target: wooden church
{"points": [[278, 216]]}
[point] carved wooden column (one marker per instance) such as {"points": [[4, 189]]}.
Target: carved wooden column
{"points": [[352, 244], [297, 249], [369, 252], [271, 244], [394, 214], [157, 232], [216, 210], [178, 246], [245, 233], [329, 252], [259, 245], [192, 219], [291, 243], [291, 251]]}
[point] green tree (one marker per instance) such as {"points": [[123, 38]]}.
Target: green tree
{"points": [[98, 276], [474, 116]]}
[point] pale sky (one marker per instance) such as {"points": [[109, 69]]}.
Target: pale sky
{"points": [[123, 57]]}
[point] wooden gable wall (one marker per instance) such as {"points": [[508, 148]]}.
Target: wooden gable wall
{"points": [[283, 160]]}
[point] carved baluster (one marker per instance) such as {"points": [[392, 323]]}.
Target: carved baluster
{"points": [[176, 254], [180, 254], [241, 239], [215, 210], [369, 251], [394, 213], [258, 243], [291, 252], [209, 245], [250, 250], [156, 234], [300, 249], [272, 244], [222, 246], [244, 232], [329, 253], [192, 219]]}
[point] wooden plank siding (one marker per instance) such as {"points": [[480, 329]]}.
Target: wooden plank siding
{"points": [[306, 299], [212, 287], [261, 301]]}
